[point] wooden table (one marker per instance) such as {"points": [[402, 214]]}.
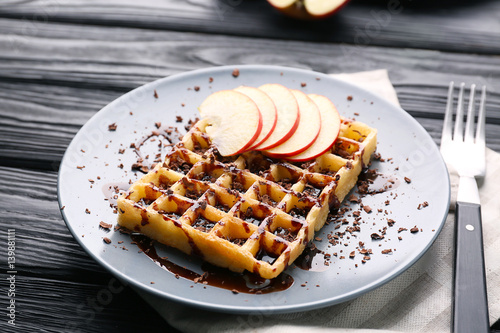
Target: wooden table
{"points": [[61, 61]]}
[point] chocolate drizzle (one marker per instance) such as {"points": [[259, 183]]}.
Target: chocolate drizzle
{"points": [[246, 282]]}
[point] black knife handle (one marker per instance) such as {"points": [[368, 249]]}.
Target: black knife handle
{"points": [[470, 306]]}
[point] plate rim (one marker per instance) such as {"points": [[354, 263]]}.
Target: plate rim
{"points": [[283, 308]]}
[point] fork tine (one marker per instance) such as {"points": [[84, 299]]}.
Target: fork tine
{"points": [[469, 125], [481, 119], [448, 116], [458, 133]]}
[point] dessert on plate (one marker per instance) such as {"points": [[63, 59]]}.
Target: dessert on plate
{"points": [[241, 196]]}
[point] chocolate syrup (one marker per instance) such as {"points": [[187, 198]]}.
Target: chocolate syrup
{"points": [[312, 260], [377, 182], [246, 282]]}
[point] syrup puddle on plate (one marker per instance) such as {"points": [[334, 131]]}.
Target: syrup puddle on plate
{"points": [[312, 259], [246, 282]]}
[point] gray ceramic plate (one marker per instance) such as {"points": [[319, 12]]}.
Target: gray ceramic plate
{"points": [[92, 164]]}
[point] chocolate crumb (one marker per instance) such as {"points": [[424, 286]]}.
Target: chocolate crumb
{"points": [[196, 88], [178, 119], [236, 72], [87, 211], [210, 79], [155, 94], [349, 98], [354, 198], [303, 84], [105, 225]]}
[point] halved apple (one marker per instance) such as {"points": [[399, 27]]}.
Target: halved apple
{"points": [[233, 121], [308, 9], [307, 131], [330, 128], [267, 110], [288, 115]]}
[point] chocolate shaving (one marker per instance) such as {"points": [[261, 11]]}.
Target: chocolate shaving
{"points": [[105, 225]]}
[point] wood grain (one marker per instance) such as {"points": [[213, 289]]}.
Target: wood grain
{"points": [[467, 26], [47, 98], [57, 283]]}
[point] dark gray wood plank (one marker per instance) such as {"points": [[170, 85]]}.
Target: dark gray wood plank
{"points": [[57, 283], [61, 305], [54, 81], [461, 26]]}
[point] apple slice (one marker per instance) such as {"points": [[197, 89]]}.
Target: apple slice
{"points": [[267, 110], [323, 8], [288, 115], [330, 128], [233, 121], [308, 9], [307, 131]]}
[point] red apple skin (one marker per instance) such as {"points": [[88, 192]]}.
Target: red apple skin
{"points": [[276, 96], [333, 119], [295, 144], [252, 140], [298, 11], [286, 137], [220, 97], [267, 108]]}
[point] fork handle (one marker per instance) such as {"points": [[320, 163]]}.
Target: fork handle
{"points": [[470, 307]]}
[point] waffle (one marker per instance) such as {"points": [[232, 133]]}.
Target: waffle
{"points": [[245, 212]]}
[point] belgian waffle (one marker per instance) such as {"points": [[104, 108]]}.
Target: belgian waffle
{"points": [[245, 212]]}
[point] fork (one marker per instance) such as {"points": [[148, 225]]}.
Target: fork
{"points": [[466, 153]]}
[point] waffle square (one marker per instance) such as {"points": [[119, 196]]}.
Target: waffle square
{"points": [[245, 212]]}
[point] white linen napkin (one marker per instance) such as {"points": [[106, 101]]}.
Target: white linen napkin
{"points": [[419, 300]]}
